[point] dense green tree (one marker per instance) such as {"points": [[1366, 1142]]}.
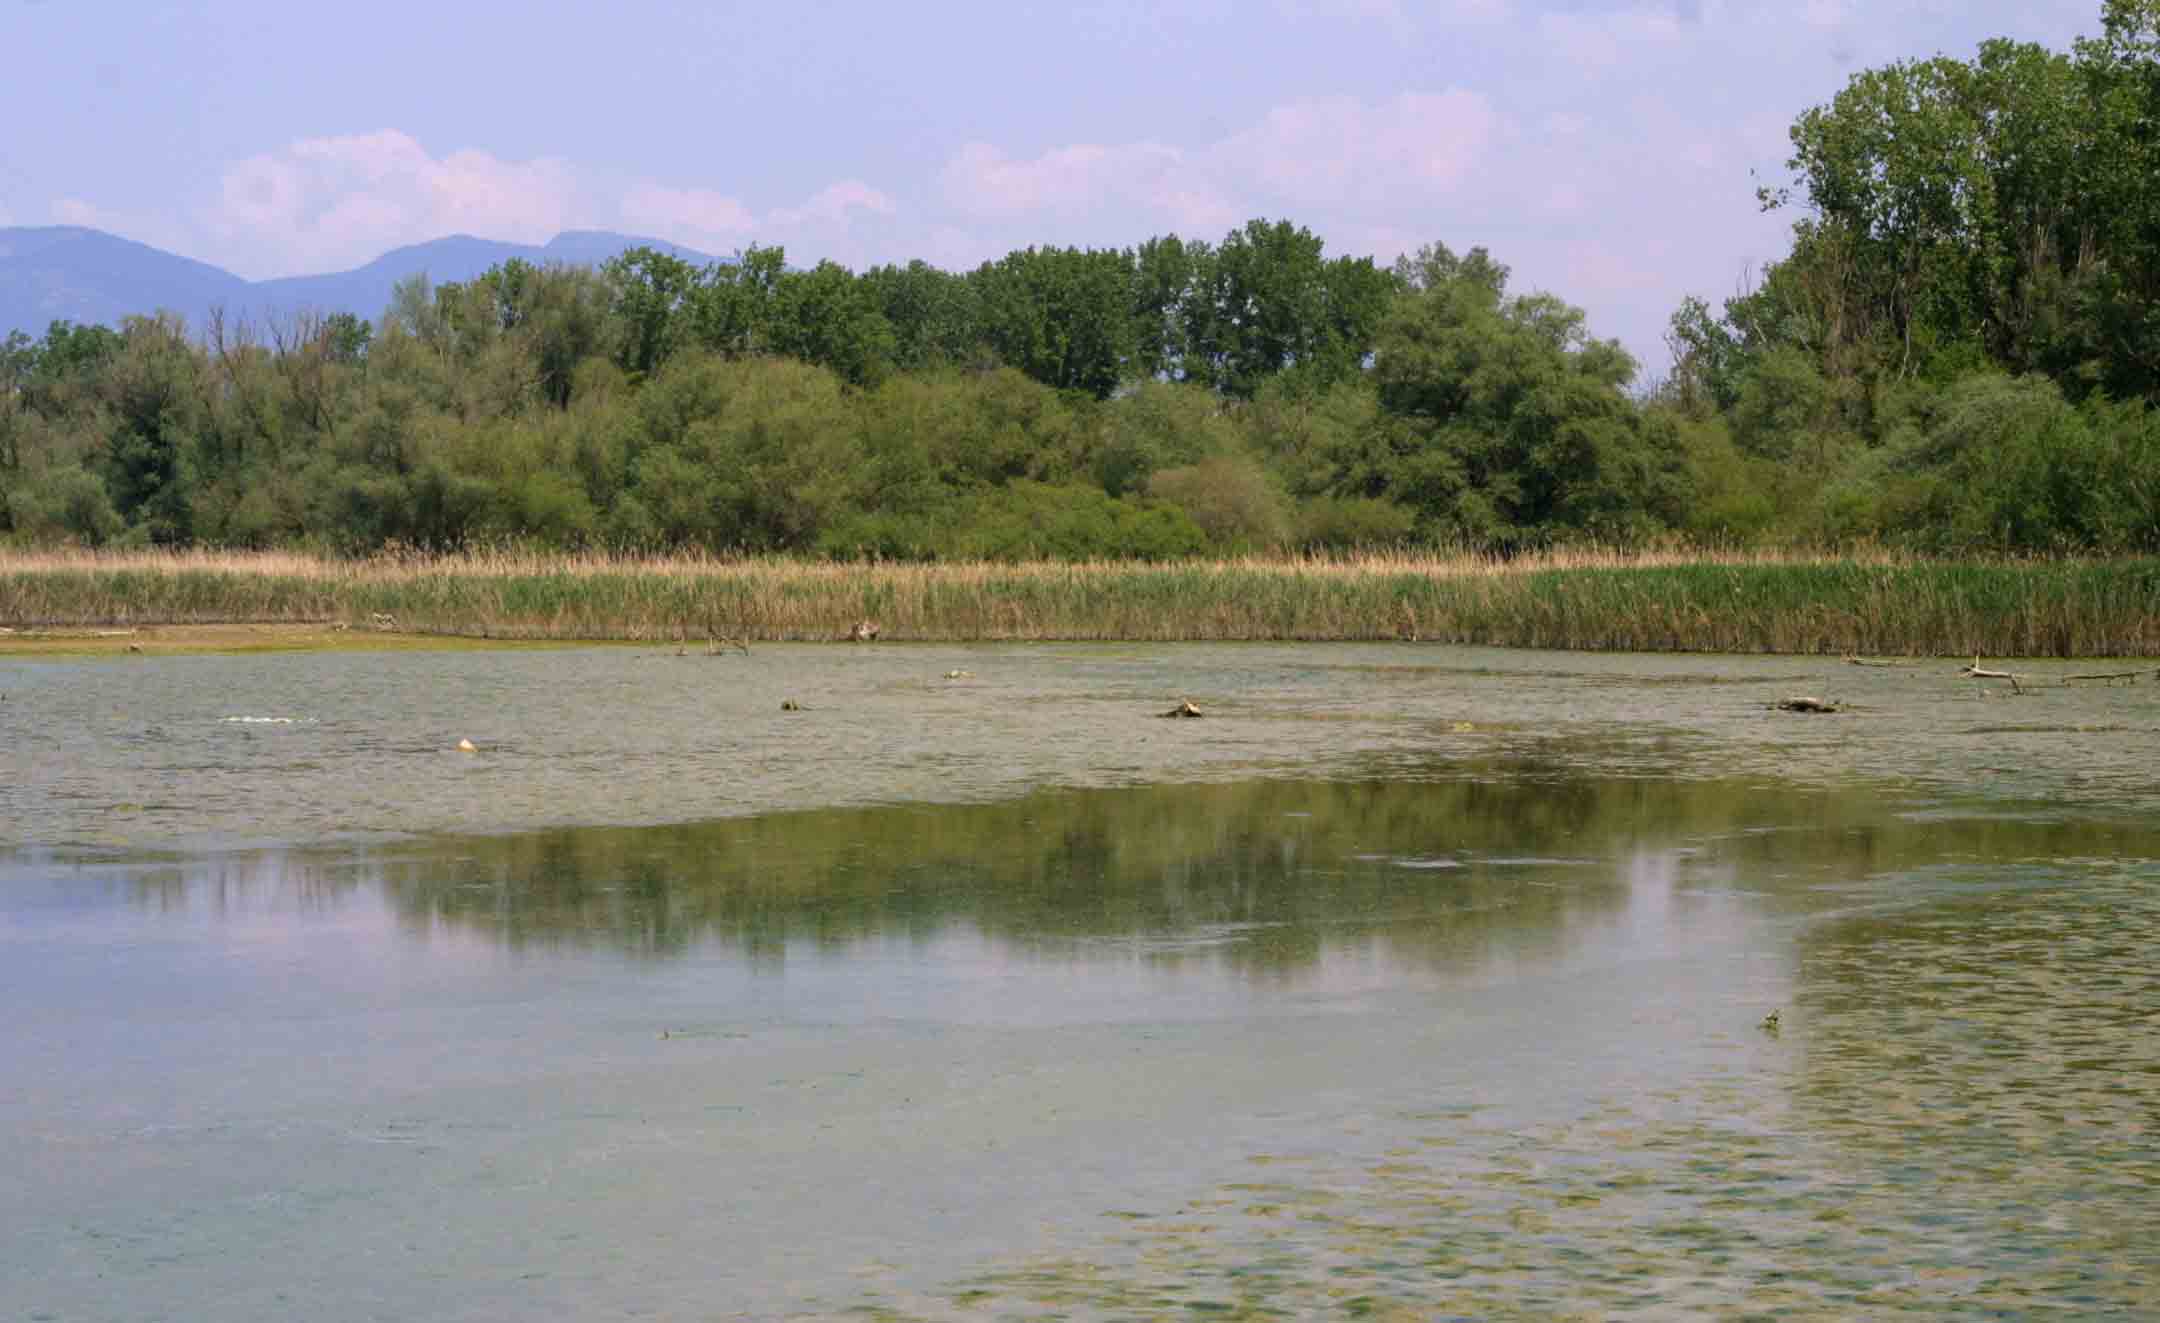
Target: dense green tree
{"points": [[650, 296], [1060, 315], [1267, 301], [828, 317], [1510, 421], [1168, 275], [153, 395], [935, 315], [734, 307], [1158, 425]]}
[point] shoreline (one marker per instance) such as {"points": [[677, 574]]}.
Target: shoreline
{"points": [[227, 637]]}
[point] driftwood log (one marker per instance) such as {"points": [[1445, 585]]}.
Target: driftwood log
{"points": [[1851, 660], [1978, 672], [2109, 677], [1804, 703]]}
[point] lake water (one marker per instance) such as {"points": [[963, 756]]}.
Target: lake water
{"points": [[1411, 982]]}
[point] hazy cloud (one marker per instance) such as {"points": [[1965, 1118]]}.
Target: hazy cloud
{"points": [[75, 211], [158, 231], [824, 226], [324, 203], [694, 217], [321, 204], [1611, 39], [1399, 13], [1339, 153], [1149, 176], [836, 204]]}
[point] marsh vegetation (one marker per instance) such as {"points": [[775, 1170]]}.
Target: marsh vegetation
{"points": [[1576, 599]]}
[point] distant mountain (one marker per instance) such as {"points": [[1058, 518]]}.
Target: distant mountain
{"points": [[54, 272], [64, 271]]}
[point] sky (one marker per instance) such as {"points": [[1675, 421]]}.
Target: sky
{"points": [[1608, 151]]}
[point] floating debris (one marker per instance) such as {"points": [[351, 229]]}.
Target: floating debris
{"points": [[1770, 1023], [2109, 678], [790, 705], [467, 746], [1804, 703], [959, 675], [1184, 709], [1979, 672]]}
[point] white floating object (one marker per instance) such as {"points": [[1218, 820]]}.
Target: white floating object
{"points": [[467, 746]]}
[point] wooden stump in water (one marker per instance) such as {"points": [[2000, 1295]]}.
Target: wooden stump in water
{"points": [[1804, 703]]}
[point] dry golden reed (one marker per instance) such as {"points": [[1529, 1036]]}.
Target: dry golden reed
{"points": [[1585, 598]]}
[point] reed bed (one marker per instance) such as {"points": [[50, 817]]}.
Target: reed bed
{"points": [[1587, 598]]}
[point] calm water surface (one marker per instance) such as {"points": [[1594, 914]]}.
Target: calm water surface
{"points": [[1412, 982]]}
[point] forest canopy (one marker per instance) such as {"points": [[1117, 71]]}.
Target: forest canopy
{"points": [[1959, 354]]}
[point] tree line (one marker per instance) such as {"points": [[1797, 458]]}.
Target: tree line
{"points": [[1962, 349], [1173, 399], [1960, 353]]}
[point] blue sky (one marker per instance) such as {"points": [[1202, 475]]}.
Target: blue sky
{"points": [[1602, 148]]}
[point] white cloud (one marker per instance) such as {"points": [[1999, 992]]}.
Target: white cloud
{"points": [[1397, 14], [696, 217], [1826, 13], [1335, 152], [75, 211], [1381, 9], [1341, 151], [157, 230], [827, 225], [323, 203], [836, 204], [984, 181], [320, 204], [1613, 39]]}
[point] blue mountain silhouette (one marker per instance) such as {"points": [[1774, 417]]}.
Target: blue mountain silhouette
{"points": [[68, 272]]}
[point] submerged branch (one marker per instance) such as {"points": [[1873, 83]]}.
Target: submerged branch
{"points": [[1978, 673]]}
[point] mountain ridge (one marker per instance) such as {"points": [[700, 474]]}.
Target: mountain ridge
{"points": [[75, 273]]}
